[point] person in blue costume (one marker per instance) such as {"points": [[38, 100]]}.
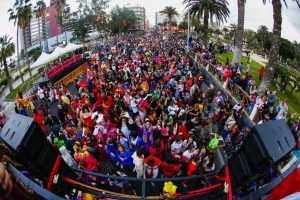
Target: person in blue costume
{"points": [[135, 141], [124, 156], [111, 150]]}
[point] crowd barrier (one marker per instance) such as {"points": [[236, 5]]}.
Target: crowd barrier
{"points": [[234, 90], [63, 66], [73, 75], [208, 185]]}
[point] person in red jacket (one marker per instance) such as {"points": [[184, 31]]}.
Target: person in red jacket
{"points": [[168, 168], [151, 168], [261, 73], [158, 149]]}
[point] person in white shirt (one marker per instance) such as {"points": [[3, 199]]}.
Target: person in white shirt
{"points": [[187, 142], [189, 153], [173, 108], [176, 147], [41, 93], [138, 161]]}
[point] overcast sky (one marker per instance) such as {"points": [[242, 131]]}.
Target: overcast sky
{"points": [[256, 14]]}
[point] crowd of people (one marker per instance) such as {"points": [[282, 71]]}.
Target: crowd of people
{"points": [[240, 75], [145, 110]]}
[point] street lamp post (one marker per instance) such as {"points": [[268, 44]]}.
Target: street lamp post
{"points": [[188, 34]]}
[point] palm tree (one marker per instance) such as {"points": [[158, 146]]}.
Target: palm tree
{"points": [[22, 13], [239, 32], [7, 49], [15, 15], [232, 32], [39, 10], [225, 30], [262, 35], [274, 51], [170, 12], [208, 9]]}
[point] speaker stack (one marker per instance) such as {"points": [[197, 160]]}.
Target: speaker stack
{"points": [[29, 145], [265, 146]]}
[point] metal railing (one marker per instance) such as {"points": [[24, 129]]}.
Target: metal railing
{"points": [[232, 88], [208, 185]]}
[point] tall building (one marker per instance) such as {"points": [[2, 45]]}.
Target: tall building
{"points": [[159, 18], [140, 14], [54, 27], [32, 31], [48, 28]]}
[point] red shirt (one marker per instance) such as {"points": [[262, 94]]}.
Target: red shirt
{"points": [[156, 153], [185, 134], [191, 169], [169, 170]]}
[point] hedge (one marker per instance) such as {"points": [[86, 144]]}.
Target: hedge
{"points": [[3, 81]]}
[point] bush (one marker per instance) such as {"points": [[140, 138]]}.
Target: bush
{"points": [[3, 81], [18, 76], [41, 70], [25, 70]]}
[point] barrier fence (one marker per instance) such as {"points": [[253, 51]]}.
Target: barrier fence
{"points": [[63, 65], [73, 75], [232, 88]]}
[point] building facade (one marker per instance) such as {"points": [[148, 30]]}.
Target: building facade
{"points": [[140, 14], [32, 34], [49, 28]]}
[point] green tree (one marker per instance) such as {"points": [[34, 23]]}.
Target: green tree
{"points": [[232, 32], [80, 27], [250, 38], [217, 32], [238, 48], [21, 13], [122, 19], [183, 26], [213, 9], [263, 37], [287, 50], [225, 30], [7, 49], [274, 51], [169, 12], [13, 17], [39, 10]]}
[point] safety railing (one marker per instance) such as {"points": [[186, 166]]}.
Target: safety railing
{"points": [[62, 66], [73, 75], [210, 185], [232, 88]]}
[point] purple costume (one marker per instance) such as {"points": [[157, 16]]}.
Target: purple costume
{"points": [[148, 137]]}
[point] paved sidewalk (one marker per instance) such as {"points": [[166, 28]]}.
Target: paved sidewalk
{"points": [[258, 59], [8, 105]]}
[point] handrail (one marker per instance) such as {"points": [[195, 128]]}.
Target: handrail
{"points": [[232, 88], [32, 185]]}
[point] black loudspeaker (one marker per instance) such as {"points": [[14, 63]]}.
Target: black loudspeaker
{"points": [[24, 136], [268, 144], [239, 169], [264, 146]]}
